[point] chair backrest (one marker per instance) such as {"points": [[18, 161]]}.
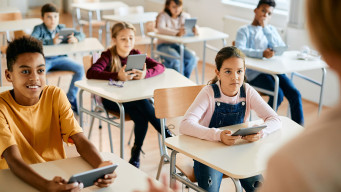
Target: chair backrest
{"points": [[87, 62], [174, 102], [11, 17]]}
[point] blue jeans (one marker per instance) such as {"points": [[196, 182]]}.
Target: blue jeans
{"points": [[64, 63], [210, 179], [287, 89], [190, 61]]}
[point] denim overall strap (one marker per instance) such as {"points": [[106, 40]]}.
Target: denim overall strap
{"points": [[227, 114]]}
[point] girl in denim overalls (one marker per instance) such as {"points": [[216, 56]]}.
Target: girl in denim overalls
{"points": [[226, 101]]}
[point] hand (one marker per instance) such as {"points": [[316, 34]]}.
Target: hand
{"points": [[163, 188], [59, 184], [227, 139], [264, 22], [56, 39], [195, 31], [108, 178], [253, 137], [140, 74], [181, 32], [268, 53], [125, 76], [72, 39]]}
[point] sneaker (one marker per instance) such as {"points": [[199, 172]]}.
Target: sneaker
{"points": [[168, 133], [74, 106], [135, 156]]}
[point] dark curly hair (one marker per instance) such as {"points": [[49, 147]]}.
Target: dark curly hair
{"points": [[271, 3], [25, 44]]}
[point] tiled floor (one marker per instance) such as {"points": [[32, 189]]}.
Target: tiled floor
{"points": [[150, 160]]}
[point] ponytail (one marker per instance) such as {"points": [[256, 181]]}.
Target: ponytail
{"points": [[116, 62]]}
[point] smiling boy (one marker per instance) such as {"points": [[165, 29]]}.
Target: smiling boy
{"points": [[35, 119]]}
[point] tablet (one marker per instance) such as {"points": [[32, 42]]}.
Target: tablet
{"points": [[189, 24], [136, 62], [248, 130], [64, 33], [280, 50], [88, 178]]}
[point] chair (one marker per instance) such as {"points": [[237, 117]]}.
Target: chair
{"points": [[11, 17], [95, 23], [97, 101]]}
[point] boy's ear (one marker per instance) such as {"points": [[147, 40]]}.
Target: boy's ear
{"points": [[8, 76], [217, 72]]}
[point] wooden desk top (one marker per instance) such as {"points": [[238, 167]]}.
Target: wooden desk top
{"points": [[134, 90], [241, 160], [87, 45], [285, 63], [205, 34], [128, 178]]}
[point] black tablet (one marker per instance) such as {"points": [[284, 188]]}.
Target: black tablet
{"points": [[189, 24], [64, 33], [88, 178], [136, 61], [248, 130]]}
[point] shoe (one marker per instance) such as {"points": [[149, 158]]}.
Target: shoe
{"points": [[135, 156], [168, 133], [74, 106]]}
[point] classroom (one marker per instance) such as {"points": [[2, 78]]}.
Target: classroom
{"points": [[169, 95]]}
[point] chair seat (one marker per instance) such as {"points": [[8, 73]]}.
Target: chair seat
{"points": [[58, 73], [185, 166]]}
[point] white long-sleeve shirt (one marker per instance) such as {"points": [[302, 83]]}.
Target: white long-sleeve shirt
{"points": [[199, 114]]}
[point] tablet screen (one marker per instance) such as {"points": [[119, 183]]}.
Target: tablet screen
{"points": [[88, 178], [248, 130], [136, 62], [189, 24], [65, 32]]}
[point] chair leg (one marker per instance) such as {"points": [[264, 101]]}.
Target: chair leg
{"points": [[100, 34], [59, 81], [196, 75], [110, 138], [100, 135], [161, 163], [91, 125]]}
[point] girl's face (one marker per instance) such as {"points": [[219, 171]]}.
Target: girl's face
{"points": [[124, 41], [231, 75], [174, 9]]}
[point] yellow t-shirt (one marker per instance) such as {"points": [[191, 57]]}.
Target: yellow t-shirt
{"points": [[37, 130]]}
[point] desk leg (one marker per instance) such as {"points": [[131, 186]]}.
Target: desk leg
{"points": [[81, 108], [182, 47], [122, 119], [274, 106], [237, 185], [203, 63], [107, 35], [152, 48], [321, 92], [142, 29], [90, 24]]}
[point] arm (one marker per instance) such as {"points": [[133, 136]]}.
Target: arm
{"points": [[273, 36], [98, 69], [242, 43], [199, 108], [153, 67], [27, 174], [264, 111], [38, 33]]}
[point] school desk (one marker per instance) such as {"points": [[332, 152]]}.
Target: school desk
{"points": [[139, 18], [205, 34], [87, 45], [238, 161], [287, 63], [94, 7], [128, 178], [131, 91]]}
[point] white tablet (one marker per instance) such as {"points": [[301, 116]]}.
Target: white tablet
{"points": [[65, 32], [189, 24], [88, 178], [136, 61], [280, 50], [248, 130]]}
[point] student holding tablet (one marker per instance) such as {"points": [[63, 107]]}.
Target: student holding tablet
{"points": [[112, 65], [171, 22], [226, 101], [259, 39]]}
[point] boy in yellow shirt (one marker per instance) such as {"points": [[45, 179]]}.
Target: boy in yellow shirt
{"points": [[35, 119]]}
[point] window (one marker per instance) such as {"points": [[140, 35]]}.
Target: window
{"points": [[280, 4]]}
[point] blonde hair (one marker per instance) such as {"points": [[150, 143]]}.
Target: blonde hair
{"points": [[116, 62], [324, 24], [226, 53]]}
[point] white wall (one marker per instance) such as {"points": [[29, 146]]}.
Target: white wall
{"points": [[210, 13]]}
